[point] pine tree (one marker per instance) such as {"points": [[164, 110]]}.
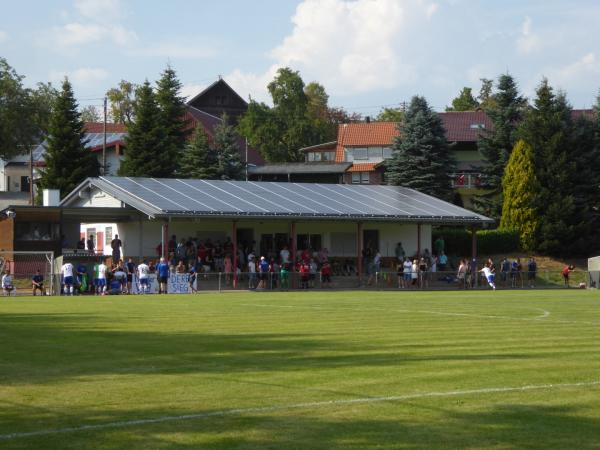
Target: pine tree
{"points": [[227, 150], [68, 162], [520, 188], [421, 154], [172, 117], [548, 128], [505, 111], [198, 159], [145, 155]]}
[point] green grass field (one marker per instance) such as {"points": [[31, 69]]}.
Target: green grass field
{"points": [[389, 370]]}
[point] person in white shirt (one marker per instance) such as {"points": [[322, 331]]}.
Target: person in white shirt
{"points": [[67, 272], [7, 284], [101, 286], [143, 271], [407, 272], [489, 276], [251, 274], [284, 254]]}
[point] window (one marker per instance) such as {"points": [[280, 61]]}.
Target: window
{"points": [[329, 156], [480, 126], [387, 152], [364, 177], [310, 156], [375, 153], [348, 155], [317, 156], [108, 236], [355, 177], [360, 153]]}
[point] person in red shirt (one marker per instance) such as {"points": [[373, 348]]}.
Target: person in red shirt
{"points": [[565, 273], [304, 274], [326, 274]]}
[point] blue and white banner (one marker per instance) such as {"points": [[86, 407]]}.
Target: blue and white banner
{"points": [[178, 284]]}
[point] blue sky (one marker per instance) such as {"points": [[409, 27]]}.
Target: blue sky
{"points": [[367, 53]]}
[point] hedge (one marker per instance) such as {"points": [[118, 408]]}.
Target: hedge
{"points": [[489, 242]]}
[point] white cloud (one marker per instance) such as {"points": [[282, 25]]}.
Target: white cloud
{"points": [[586, 67], [189, 91], [349, 47], [246, 84], [100, 10], [3, 36], [528, 42], [77, 34], [84, 76]]}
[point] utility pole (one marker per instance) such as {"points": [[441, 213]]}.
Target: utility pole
{"points": [[31, 175], [246, 159], [104, 142]]}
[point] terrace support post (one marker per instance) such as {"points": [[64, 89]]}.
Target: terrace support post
{"points": [[235, 253], [294, 239], [418, 243], [359, 250], [141, 239], [165, 241], [474, 253]]}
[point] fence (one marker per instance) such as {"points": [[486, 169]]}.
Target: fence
{"points": [[218, 282]]}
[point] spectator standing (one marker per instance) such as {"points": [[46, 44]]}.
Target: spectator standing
{"points": [[192, 279], [400, 274], [251, 272], [442, 262], [264, 272], [439, 246], [461, 275], [37, 282], [407, 272], [91, 246], [284, 254], [116, 245], [163, 275], [423, 281], [399, 251], [504, 270], [326, 274], [130, 270], [531, 272], [414, 272], [285, 276]]}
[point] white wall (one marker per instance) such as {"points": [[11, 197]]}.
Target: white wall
{"points": [[97, 198], [141, 239]]}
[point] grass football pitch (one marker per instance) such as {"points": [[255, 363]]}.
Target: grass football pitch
{"points": [[319, 370]]}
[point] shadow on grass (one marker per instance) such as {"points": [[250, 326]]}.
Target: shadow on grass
{"points": [[407, 425], [43, 348]]}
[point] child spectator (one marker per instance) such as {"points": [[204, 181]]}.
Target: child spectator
{"points": [[326, 274], [7, 284]]}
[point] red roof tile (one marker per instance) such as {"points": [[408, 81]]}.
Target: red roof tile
{"points": [[363, 167], [364, 134], [98, 127], [465, 126]]}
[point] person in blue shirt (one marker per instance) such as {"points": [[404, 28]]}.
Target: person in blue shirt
{"points": [[82, 281], [37, 282], [162, 268], [192, 278]]}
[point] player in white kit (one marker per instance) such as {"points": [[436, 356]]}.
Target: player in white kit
{"points": [[67, 272], [489, 276], [143, 271], [101, 287]]}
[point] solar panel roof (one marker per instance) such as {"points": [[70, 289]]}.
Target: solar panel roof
{"points": [[201, 198], [93, 140]]}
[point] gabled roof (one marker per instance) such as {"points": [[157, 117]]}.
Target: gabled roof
{"points": [[364, 167], [465, 126], [167, 198], [209, 122], [209, 88], [98, 127], [364, 134]]}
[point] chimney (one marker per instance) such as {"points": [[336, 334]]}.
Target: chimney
{"points": [[368, 119], [51, 197]]}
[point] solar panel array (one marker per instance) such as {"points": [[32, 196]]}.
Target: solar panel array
{"points": [[93, 140], [243, 198]]}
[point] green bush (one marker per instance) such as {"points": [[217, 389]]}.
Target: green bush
{"points": [[489, 242]]}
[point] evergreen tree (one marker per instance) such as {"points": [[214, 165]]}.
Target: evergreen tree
{"points": [[464, 102], [198, 159], [486, 98], [226, 148], [145, 154], [505, 112], [172, 117], [520, 188], [421, 154], [68, 162], [548, 128]]}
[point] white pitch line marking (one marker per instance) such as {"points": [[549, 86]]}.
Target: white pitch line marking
{"points": [[307, 405]]}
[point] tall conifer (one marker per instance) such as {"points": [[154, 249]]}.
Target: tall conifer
{"points": [[68, 162], [226, 148], [144, 153], [198, 159], [421, 154]]}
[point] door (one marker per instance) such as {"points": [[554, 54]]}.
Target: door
{"points": [[371, 240], [24, 184]]}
